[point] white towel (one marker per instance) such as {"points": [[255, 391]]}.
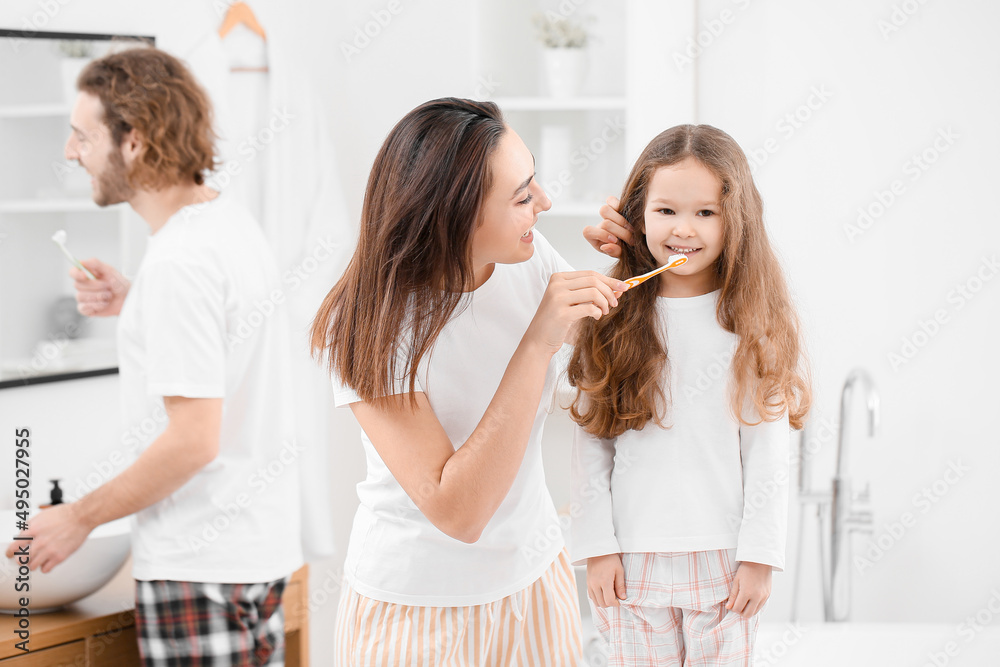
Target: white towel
{"points": [[301, 207]]}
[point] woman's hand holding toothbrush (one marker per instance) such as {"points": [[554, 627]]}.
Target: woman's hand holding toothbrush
{"points": [[102, 297], [569, 298]]}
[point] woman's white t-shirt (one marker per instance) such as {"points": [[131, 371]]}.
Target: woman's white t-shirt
{"points": [[204, 319], [395, 553]]}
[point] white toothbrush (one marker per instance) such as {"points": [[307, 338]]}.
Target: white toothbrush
{"points": [[60, 239]]}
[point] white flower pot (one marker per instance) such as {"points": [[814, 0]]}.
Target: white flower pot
{"points": [[565, 70]]}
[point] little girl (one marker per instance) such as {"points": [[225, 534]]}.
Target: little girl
{"points": [[686, 392]]}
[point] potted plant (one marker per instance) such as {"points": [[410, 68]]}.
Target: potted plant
{"points": [[565, 56], [76, 53]]}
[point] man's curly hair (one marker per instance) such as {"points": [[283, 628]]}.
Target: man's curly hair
{"points": [[152, 92]]}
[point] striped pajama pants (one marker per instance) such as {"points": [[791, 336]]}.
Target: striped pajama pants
{"points": [[674, 613], [538, 626]]}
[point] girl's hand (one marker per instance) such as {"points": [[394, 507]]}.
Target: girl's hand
{"points": [[570, 297], [606, 580], [751, 589], [612, 229], [102, 297]]}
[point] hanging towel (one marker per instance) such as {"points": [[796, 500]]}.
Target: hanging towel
{"points": [[303, 212]]}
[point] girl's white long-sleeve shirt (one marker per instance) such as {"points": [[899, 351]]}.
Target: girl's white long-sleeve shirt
{"points": [[707, 482]]}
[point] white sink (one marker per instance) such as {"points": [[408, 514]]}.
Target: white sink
{"points": [[94, 564]]}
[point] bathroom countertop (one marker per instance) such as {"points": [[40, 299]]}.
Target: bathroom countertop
{"points": [[109, 610], [99, 630]]}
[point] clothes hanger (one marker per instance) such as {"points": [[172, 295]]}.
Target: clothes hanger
{"points": [[240, 14]]}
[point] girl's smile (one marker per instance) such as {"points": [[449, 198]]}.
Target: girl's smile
{"points": [[683, 216], [683, 250]]}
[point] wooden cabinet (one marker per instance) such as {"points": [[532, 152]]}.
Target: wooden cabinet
{"points": [[99, 631], [110, 649], [296, 604], [71, 653]]}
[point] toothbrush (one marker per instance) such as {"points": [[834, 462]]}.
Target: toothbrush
{"points": [[672, 262], [60, 239]]}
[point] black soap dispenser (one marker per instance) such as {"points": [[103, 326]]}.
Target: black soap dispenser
{"points": [[55, 493]]}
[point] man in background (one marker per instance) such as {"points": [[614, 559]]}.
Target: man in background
{"points": [[201, 345]]}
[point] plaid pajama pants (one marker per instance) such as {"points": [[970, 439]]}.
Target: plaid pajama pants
{"points": [[674, 613], [194, 624], [538, 626]]}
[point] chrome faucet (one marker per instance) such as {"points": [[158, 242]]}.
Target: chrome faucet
{"points": [[848, 513]]}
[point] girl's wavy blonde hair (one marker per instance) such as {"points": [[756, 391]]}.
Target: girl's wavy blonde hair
{"points": [[619, 364]]}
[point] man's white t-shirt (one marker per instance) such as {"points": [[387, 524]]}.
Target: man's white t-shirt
{"points": [[395, 553], [204, 319]]}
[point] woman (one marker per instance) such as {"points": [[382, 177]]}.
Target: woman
{"points": [[441, 336]]}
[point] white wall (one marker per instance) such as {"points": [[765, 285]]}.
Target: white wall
{"points": [[888, 100]]}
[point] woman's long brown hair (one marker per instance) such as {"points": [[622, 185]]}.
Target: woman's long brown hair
{"points": [[619, 365], [413, 259]]}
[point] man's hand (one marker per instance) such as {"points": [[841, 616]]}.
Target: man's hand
{"points": [[613, 228], [751, 589], [102, 297], [58, 531], [189, 443]]}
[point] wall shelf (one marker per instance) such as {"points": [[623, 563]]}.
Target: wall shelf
{"points": [[585, 103], [41, 338], [84, 205], [580, 143], [574, 209], [52, 109]]}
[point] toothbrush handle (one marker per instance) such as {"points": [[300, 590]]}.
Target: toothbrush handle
{"points": [[638, 280], [75, 262]]}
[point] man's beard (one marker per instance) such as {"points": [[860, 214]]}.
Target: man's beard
{"points": [[112, 183]]}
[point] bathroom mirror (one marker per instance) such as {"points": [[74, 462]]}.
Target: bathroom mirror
{"points": [[42, 336]]}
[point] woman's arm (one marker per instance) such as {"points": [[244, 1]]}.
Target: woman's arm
{"points": [[460, 490]]}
